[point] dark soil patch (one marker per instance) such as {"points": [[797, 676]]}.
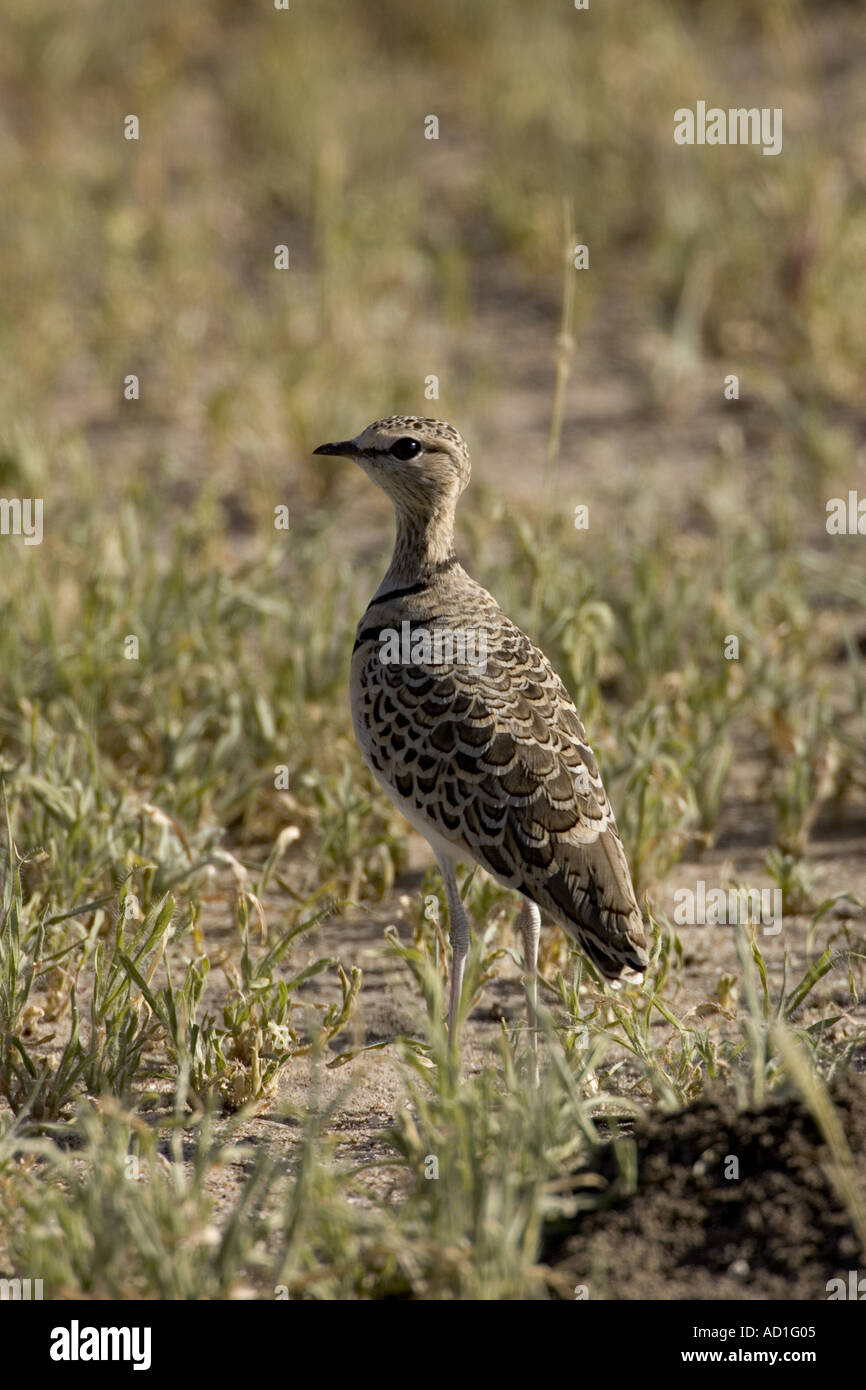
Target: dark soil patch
{"points": [[778, 1231]]}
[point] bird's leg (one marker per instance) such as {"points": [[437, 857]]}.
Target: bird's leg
{"points": [[529, 923], [459, 937]]}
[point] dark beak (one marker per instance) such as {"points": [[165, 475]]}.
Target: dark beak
{"points": [[345, 449]]}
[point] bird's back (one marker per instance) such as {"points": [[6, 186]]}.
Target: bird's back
{"points": [[489, 756]]}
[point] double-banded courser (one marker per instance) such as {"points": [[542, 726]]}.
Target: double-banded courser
{"points": [[467, 727]]}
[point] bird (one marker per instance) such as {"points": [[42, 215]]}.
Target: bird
{"points": [[466, 726]]}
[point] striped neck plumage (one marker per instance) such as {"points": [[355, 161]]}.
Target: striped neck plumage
{"points": [[424, 546]]}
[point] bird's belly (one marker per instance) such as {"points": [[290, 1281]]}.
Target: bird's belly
{"points": [[454, 849]]}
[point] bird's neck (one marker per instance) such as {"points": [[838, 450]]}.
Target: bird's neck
{"points": [[425, 541]]}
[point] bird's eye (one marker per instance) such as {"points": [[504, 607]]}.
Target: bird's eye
{"points": [[405, 449]]}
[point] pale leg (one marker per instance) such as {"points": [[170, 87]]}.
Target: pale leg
{"points": [[529, 923], [459, 937]]}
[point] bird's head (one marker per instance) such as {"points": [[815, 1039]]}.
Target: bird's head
{"points": [[418, 463]]}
